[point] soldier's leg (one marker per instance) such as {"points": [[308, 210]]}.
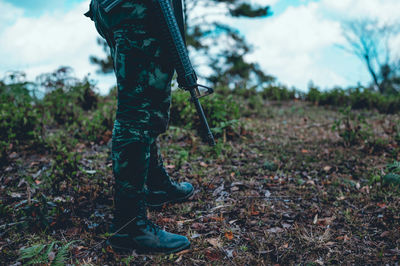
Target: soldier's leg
{"points": [[161, 188], [143, 81]]}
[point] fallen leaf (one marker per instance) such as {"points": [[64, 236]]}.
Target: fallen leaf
{"points": [[381, 205], [90, 172], [304, 151], [255, 213], [214, 242], [203, 164], [13, 155], [16, 195], [183, 252], [233, 189], [212, 255], [344, 238], [315, 219], [365, 189], [165, 220], [218, 219], [198, 226], [326, 221], [51, 256], [229, 235], [327, 168], [275, 230]]}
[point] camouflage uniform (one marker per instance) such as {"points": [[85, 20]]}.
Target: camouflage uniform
{"points": [[144, 74]]}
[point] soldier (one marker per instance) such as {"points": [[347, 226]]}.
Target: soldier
{"points": [[144, 71]]}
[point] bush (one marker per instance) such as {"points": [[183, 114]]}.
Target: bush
{"points": [[356, 98], [19, 118], [352, 128], [97, 124], [66, 98], [221, 112], [278, 93]]}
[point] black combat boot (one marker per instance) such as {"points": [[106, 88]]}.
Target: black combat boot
{"points": [[141, 234], [164, 190], [161, 189]]}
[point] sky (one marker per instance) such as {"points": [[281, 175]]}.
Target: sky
{"points": [[298, 44]]}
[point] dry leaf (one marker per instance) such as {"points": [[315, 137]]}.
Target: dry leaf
{"points": [[229, 235], [327, 168], [214, 242], [203, 164], [381, 205], [315, 219], [275, 230]]}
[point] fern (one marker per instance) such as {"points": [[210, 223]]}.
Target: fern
{"points": [[39, 254], [62, 253], [32, 252], [394, 167]]}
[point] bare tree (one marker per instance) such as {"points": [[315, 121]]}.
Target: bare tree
{"points": [[372, 43]]}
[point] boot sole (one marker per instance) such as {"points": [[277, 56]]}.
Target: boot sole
{"points": [[143, 251], [170, 201]]}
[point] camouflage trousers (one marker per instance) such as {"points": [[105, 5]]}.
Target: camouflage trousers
{"points": [[144, 72]]}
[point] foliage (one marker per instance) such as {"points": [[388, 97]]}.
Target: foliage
{"points": [[54, 254], [66, 98], [393, 174], [222, 112], [18, 117], [279, 93], [65, 162], [351, 127], [356, 98]]}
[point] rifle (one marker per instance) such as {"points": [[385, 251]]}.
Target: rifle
{"points": [[187, 78]]}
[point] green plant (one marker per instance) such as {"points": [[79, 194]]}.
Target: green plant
{"points": [[19, 118], [65, 162], [352, 127], [54, 254], [393, 174], [221, 112]]}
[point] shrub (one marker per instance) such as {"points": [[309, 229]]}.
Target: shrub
{"points": [[221, 112], [66, 97], [352, 127], [278, 93], [356, 98], [19, 118], [97, 124]]}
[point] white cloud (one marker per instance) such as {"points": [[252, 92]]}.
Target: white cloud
{"points": [[38, 45], [290, 46], [384, 10], [293, 45], [10, 15]]}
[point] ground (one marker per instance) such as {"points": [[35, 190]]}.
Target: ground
{"points": [[286, 189]]}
